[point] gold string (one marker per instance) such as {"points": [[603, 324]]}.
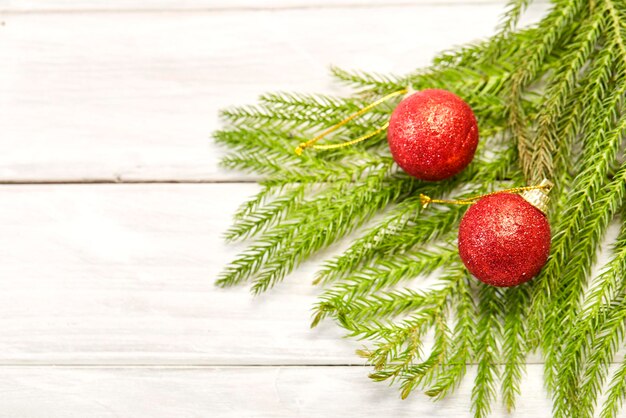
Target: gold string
{"points": [[311, 143], [427, 200]]}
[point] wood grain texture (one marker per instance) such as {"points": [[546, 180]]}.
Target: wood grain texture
{"points": [[108, 306], [233, 392], [123, 274], [46, 6], [111, 274], [135, 96]]}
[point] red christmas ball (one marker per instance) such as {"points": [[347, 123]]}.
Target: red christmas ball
{"points": [[504, 240], [432, 134]]}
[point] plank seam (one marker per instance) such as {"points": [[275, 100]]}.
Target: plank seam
{"points": [[207, 365], [104, 182]]}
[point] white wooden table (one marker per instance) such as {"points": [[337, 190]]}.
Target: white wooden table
{"points": [[112, 206]]}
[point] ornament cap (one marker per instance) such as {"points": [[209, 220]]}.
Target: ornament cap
{"points": [[539, 197]]}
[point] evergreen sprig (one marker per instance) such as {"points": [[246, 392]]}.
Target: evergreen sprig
{"points": [[550, 102]]}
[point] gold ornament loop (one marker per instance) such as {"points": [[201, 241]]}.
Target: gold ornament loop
{"points": [[539, 200], [311, 143]]}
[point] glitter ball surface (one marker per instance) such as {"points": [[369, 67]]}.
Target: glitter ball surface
{"points": [[432, 134], [504, 240]]}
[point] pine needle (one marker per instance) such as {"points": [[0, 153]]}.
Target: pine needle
{"points": [[550, 102]]}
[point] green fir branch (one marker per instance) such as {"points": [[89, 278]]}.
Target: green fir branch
{"points": [[487, 350], [616, 393], [461, 344], [514, 345], [550, 102]]}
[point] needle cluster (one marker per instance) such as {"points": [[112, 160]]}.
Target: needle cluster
{"points": [[550, 103]]}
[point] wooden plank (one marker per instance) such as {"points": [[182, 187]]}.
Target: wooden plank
{"points": [[124, 275], [44, 6], [234, 392], [135, 96]]}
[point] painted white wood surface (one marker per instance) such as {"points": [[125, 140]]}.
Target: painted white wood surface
{"points": [[231, 392], [47, 6], [123, 274], [135, 96], [108, 306]]}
